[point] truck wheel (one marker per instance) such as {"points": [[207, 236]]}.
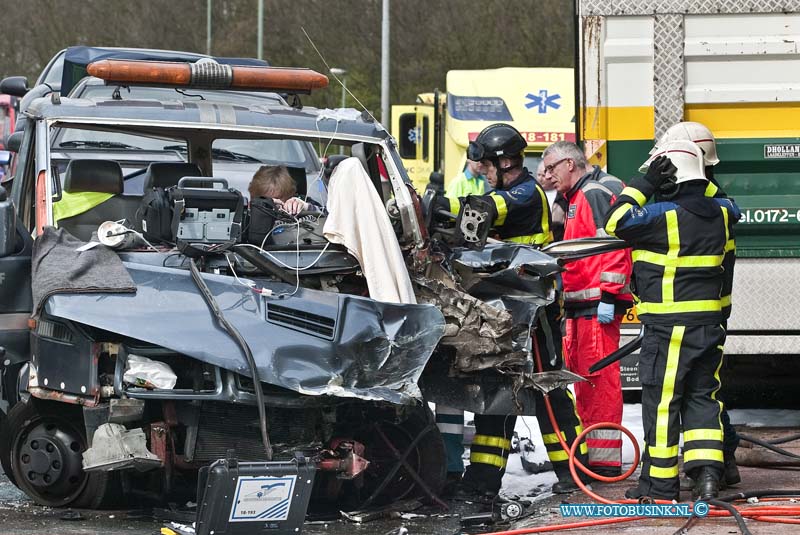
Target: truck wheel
{"points": [[427, 457], [47, 445], [5, 448]]}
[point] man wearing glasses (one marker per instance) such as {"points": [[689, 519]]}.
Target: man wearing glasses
{"points": [[520, 214], [596, 295]]}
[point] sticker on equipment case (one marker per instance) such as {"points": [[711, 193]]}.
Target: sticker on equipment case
{"points": [[262, 498]]}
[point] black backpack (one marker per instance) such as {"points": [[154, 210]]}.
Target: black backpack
{"points": [[154, 216], [262, 219]]}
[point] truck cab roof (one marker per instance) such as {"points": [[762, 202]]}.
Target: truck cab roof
{"points": [[166, 112]]}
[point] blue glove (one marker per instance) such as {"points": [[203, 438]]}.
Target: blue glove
{"points": [[605, 312]]}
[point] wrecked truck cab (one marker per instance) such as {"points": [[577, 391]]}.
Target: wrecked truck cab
{"points": [[337, 370], [214, 288]]}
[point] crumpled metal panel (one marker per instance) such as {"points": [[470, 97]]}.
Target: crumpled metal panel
{"points": [[371, 350], [480, 333], [503, 288], [515, 278]]}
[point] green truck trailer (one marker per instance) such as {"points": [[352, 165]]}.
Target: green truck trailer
{"points": [[735, 67]]}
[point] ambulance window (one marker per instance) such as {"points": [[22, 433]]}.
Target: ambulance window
{"points": [[411, 136]]}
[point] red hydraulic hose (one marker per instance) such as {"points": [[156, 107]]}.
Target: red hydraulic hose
{"points": [[559, 527], [761, 513], [777, 520], [575, 462], [607, 521]]}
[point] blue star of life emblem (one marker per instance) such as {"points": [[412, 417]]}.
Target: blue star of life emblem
{"points": [[414, 135], [542, 101]]}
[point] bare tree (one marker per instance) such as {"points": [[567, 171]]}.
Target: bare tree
{"points": [[429, 37]]}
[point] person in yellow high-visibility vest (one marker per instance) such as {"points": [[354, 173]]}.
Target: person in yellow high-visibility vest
{"points": [[470, 181]]}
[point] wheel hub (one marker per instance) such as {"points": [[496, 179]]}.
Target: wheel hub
{"points": [[49, 459], [43, 459]]}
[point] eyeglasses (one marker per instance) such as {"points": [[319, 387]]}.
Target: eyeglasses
{"points": [[549, 168]]}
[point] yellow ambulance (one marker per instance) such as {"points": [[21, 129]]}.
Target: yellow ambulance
{"points": [[433, 134]]}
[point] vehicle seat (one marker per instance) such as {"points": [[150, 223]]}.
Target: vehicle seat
{"points": [[300, 179], [167, 174], [91, 195]]}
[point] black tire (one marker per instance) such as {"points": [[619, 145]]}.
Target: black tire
{"points": [[427, 458], [5, 449], [47, 445], [11, 395]]}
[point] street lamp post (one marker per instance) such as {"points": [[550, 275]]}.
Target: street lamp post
{"points": [[341, 74], [208, 27], [260, 52]]}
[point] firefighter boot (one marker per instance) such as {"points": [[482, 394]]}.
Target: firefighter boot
{"points": [[564, 486], [566, 483], [451, 484], [731, 474], [706, 484]]}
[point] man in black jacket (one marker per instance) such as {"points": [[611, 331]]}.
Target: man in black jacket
{"points": [[679, 244]]}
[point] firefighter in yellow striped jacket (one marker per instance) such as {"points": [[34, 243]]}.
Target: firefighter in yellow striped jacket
{"points": [[520, 211], [679, 244], [521, 215], [700, 135]]}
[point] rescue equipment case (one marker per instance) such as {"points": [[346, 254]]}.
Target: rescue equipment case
{"points": [[252, 498]]}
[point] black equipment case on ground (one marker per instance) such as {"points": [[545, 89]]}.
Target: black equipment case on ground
{"points": [[253, 498]]}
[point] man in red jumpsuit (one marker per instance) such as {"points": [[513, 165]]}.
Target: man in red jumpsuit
{"points": [[596, 295]]}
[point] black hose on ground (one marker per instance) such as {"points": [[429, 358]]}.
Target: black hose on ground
{"points": [[758, 494], [734, 512], [769, 445], [690, 522], [784, 440], [248, 354]]}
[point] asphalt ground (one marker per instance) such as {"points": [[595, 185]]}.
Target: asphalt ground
{"points": [[19, 516]]}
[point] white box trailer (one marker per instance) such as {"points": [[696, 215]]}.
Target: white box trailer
{"points": [[644, 65]]}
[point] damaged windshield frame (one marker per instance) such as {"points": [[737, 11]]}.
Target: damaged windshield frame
{"points": [[323, 139]]}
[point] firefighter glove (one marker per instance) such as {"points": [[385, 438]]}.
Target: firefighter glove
{"points": [[661, 170], [605, 312]]}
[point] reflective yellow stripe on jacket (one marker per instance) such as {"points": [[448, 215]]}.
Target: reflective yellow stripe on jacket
{"points": [[532, 239], [501, 206], [671, 262]]}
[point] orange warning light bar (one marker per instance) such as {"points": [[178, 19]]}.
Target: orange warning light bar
{"points": [[208, 75]]}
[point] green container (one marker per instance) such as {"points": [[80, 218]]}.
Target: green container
{"points": [[763, 177]]}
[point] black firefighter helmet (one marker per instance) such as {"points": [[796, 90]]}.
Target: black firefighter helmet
{"points": [[496, 140]]}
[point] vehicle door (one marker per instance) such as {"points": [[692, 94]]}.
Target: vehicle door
{"points": [[16, 224]]}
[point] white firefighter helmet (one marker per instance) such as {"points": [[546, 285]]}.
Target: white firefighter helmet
{"points": [[685, 156], [697, 133]]}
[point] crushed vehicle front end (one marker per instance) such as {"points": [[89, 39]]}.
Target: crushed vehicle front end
{"points": [[141, 354], [338, 371]]}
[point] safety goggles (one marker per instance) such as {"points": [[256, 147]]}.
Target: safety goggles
{"points": [[475, 151]]}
